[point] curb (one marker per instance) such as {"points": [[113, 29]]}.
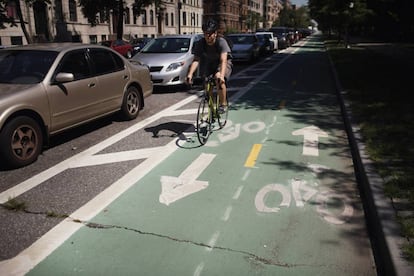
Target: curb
{"points": [[382, 224]]}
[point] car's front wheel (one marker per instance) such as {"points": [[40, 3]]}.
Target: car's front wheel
{"points": [[131, 103], [21, 142]]}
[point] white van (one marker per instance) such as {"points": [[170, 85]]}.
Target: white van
{"points": [[272, 39]]}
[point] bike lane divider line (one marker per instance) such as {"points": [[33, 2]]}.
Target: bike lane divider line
{"points": [[254, 153]]}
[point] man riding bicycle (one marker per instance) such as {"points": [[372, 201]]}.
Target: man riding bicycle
{"points": [[212, 54]]}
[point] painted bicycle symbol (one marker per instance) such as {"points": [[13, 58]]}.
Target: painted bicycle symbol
{"points": [[333, 207], [232, 131]]}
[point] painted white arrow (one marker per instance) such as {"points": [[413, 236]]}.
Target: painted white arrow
{"points": [[174, 188], [311, 136]]}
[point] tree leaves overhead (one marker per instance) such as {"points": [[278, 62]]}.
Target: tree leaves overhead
{"points": [[91, 8], [389, 19]]}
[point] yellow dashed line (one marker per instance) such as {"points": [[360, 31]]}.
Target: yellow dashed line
{"points": [[251, 159]]}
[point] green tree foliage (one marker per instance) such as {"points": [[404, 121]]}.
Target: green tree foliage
{"points": [[293, 17], [389, 19], [91, 9], [392, 19]]}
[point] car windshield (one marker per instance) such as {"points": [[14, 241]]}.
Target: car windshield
{"points": [[242, 39], [25, 66], [167, 45]]}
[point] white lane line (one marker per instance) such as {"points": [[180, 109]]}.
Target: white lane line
{"points": [[114, 157], [246, 175], [182, 112], [238, 192], [71, 162], [39, 250], [213, 240], [227, 213], [199, 269]]}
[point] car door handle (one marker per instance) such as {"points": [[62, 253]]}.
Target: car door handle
{"points": [[91, 85], [126, 77]]}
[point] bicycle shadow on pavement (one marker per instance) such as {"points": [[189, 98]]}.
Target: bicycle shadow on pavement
{"points": [[171, 129], [185, 133]]}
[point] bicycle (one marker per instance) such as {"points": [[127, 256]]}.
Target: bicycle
{"points": [[208, 111]]}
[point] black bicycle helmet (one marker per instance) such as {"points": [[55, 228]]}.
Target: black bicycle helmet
{"points": [[210, 26]]}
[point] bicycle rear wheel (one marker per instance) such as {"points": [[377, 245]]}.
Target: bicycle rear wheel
{"points": [[204, 121], [222, 117]]}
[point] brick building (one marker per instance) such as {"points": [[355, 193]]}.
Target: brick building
{"points": [[62, 20]]}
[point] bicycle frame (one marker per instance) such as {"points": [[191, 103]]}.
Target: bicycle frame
{"points": [[208, 111]]}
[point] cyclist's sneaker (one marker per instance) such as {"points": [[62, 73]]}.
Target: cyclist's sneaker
{"points": [[222, 109]]}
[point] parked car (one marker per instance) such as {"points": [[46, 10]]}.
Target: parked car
{"points": [[48, 88], [168, 58], [268, 42], [245, 47], [293, 36], [123, 47], [139, 43], [282, 35]]}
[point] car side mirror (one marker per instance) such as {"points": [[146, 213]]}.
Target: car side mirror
{"points": [[64, 77]]}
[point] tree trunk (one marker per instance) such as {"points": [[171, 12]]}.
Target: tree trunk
{"points": [[22, 23], [120, 26]]}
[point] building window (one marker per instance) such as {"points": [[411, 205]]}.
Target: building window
{"points": [[127, 13], [172, 19], [16, 40], [166, 19], [184, 18], [144, 17], [102, 16], [151, 17], [11, 9], [73, 16], [93, 39]]}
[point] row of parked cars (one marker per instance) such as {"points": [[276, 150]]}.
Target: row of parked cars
{"points": [[169, 57], [46, 89]]}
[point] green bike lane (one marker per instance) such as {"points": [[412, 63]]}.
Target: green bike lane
{"points": [[273, 193]]}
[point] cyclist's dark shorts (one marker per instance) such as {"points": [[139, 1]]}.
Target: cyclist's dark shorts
{"points": [[214, 69]]}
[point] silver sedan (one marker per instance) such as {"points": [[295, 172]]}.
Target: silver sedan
{"points": [[168, 58]]}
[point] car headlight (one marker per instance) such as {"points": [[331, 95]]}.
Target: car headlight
{"points": [[174, 66]]}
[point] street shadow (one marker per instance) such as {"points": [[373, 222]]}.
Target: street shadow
{"points": [[185, 133], [171, 129]]}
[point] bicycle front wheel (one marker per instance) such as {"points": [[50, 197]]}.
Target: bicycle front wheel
{"points": [[204, 121]]}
